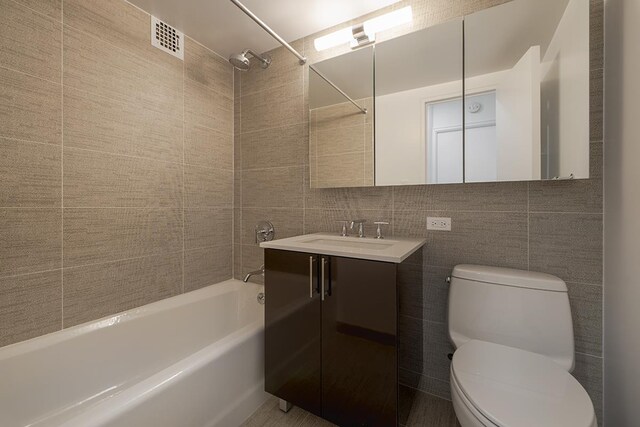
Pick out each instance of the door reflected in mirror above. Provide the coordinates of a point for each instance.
(419, 132)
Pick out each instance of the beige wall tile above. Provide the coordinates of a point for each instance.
(287, 222)
(596, 40)
(252, 259)
(206, 187)
(31, 108)
(29, 240)
(237, 262)
(501, 196)
(284, 68)
(567, 245)
(204, 267)
(111, 234)
(29, 42)
(472, 233)
(273, 107)
(95, 291)
(586, 308)
(208, 147)
(93, 179)
(95, 66)
(596, 111)
(208, 227)
(347, 169)
(332, 141)
(328, 220)
(349, 198)
(278, 187)
(135, 129)
(208, 68)
(287, 146)
(30, 174)
(118, 23)
(588, 371)
(51, 8)
(30, 306)
(205, 107)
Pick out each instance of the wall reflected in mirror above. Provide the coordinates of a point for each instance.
(527, 86)
(341, 152)
(499, 95)
(418, 83)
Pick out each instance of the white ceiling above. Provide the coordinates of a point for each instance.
(221, 26)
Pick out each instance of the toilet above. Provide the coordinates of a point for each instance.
(513, 336)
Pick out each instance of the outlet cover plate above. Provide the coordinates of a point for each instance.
(439, 224)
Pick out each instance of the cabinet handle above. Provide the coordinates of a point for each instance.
(311, 260)
(324, 262)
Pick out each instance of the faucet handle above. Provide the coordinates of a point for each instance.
(379, 230)
(345, 223)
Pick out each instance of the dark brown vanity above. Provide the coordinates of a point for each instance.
(331, 329)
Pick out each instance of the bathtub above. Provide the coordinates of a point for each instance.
(191, 360)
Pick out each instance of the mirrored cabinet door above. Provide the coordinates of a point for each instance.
(418, 83)
(341, 115)
(527, 91)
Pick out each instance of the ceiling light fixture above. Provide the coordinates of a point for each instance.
(363, 34)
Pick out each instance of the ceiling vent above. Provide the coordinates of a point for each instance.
(167, 38)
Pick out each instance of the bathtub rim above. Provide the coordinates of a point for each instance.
(33, 344)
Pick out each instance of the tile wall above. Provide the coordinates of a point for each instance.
(116, 165)
(555, 227)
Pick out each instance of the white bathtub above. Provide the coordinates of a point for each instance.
(191, 360)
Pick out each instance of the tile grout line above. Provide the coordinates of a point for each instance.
(62, 165)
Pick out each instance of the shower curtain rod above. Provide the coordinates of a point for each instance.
(326, 79)
(273, 34)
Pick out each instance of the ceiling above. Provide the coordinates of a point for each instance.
(222, 27)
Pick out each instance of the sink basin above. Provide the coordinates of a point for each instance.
(377, 246)
(395, 249)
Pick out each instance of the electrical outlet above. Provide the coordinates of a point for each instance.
(439, 224)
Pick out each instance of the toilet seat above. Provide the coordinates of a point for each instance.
(508, 387)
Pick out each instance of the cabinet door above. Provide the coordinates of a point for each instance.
(359, 336)
(292, 329)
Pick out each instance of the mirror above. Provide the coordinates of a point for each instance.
(341, 121)
(418, 82)
(527, 91)
(501, 95)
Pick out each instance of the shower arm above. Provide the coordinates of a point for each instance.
(333, 85)
(273, 34)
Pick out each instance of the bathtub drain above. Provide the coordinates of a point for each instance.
(261, 298)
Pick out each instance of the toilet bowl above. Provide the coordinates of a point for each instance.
(513, 335)
(496, 385)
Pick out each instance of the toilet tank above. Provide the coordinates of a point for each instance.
(516, 308)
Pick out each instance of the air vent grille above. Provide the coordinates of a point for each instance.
(167, 38)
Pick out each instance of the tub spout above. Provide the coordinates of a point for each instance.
(254, 273)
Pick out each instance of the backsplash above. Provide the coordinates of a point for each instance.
(554, 227)
(116, 165)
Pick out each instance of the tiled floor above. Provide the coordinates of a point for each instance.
(416, 409)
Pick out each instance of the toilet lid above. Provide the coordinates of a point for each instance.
(514, 388)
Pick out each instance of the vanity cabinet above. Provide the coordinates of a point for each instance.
(331, 329)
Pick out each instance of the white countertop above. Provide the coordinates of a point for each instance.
(390, 249)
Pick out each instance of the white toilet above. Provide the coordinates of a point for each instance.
(513, 336)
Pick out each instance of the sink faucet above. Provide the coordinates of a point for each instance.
(259, 272)
(360, 224)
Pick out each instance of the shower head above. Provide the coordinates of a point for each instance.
(241, 60)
